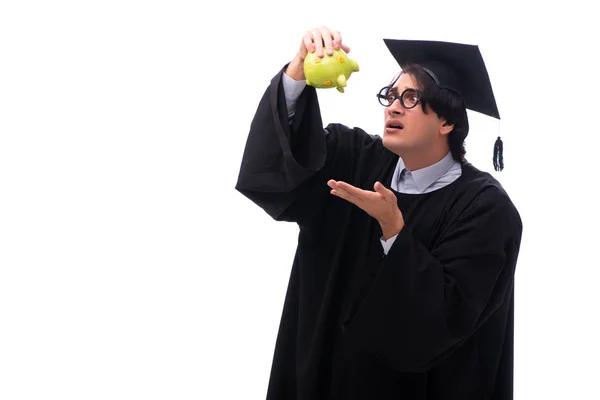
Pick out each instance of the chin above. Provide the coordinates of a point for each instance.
(393, 143)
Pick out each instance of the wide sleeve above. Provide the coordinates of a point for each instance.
(285, 167)
(423, 304)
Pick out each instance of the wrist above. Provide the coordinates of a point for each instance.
(390, 229)
(295, 69)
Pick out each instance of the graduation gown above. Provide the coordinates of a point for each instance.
(432, 319)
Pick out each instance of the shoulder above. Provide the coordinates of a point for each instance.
(484, 185)
(338, 128)
(487, 195)
(353, 136)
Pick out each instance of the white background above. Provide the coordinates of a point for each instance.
(130, 268)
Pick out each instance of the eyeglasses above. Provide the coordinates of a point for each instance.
(409, 98)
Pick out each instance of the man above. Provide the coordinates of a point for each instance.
(402, 284)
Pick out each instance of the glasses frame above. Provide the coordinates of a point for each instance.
(382, 96)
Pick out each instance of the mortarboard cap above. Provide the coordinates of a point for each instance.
(455, 66)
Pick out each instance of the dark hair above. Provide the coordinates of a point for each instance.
(445, 103)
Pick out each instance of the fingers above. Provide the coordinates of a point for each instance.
(348, 192)
(317, 41)
(327, 38)
(360, 193)
(349, 197)
(337, 40)
(379, 188)
(321, 38)
(339, 185)
(385, 192)
(307, 41)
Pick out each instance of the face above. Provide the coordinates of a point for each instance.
(411, 133)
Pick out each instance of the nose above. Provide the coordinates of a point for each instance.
(395, 108)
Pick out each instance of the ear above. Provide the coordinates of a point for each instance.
(445, 128)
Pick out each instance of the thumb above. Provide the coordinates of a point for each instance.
(379, 188)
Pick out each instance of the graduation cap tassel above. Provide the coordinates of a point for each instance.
(498, 156)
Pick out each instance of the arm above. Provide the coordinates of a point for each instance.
(292, 89)
(284, 164)
(280, 158)
(423, 304)
(380, 204)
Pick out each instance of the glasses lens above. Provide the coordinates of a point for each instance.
(410, 98)
(384, 97)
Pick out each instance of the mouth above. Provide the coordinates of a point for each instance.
(393, 126)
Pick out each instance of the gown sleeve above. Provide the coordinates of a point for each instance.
(285, 167)
(424, 304)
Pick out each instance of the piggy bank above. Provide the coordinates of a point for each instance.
(330, 71)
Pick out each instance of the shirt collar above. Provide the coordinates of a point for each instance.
(424, 177)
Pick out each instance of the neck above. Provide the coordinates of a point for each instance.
(415, 161)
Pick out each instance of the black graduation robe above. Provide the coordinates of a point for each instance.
(431, 320)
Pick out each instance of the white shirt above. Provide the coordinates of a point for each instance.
(424, 180)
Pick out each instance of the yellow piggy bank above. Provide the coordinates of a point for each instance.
(330, 71)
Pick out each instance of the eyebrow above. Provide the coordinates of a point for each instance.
(395, 89)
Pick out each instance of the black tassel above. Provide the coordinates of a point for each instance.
(498, 157)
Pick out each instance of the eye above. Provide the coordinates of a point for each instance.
(410, 97)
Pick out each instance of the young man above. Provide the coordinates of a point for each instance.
(402, 284)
